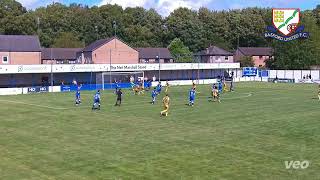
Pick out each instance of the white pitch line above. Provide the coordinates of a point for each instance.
(239, 97)
(60, 108)
(36, 105)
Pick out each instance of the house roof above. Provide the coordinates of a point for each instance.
(59, 53)
(256, 51)
(152, 53)
(19, 43)
(214, 50)
(95, 45)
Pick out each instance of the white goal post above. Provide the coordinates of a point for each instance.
(107, 80)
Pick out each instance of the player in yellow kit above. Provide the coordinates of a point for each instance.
(225, 88)
(194, 85)
(167, 87)
(166, 104)
(215, 94)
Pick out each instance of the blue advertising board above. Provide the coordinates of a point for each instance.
(250, 71)
(263, 73)
(91, 87)
(64, 88)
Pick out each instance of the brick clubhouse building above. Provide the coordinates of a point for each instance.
(24, 63)
(259, 55)
(25, 50)
(19, 50)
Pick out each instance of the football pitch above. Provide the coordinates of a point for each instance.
(251, 134)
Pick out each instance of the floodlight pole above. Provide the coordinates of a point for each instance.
(159, 73)
(115, 28)
(143, 79)
(97, 35)
(38, 26)
(51, 78)
(198, 70)
(110, 70)
(115, 46)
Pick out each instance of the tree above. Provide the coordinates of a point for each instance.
(247, 27)
(215, 26)
(11, 17)
(298, 54)
(67, 40)
(316, 13)
(183, 23)
(310, 22)
(11, 8)
(143, 28)
(179, 51)
(246, 61)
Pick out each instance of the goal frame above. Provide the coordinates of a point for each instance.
(103, 74)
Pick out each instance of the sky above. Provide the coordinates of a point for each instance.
(164, 7)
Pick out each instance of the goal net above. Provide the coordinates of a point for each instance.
(112, 80)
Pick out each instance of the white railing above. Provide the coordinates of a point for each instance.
(297, 75)
(65, 68)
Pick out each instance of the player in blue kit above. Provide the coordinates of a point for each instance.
(154, 95)
(78, 97)
(117, 86)
(96, 101)
(192, 96)
(148, 85)
(159, 88)
(220, 86)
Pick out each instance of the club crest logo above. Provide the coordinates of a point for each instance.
(286, 25)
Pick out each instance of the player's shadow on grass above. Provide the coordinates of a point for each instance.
(210, 99)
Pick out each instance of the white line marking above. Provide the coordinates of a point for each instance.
(36, 105)
(239, 97)
(139, 104)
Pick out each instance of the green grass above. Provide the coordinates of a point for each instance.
(249, 135)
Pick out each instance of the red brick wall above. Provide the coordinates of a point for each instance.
(259, 60)
(217, 59)
(120, 54)
(17, 58)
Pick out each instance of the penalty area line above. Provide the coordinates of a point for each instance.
(36, 105)
(238, 97)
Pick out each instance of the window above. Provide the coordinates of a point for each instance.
(5, 60)
(59, 62)
(260, 57)
(226, 58)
